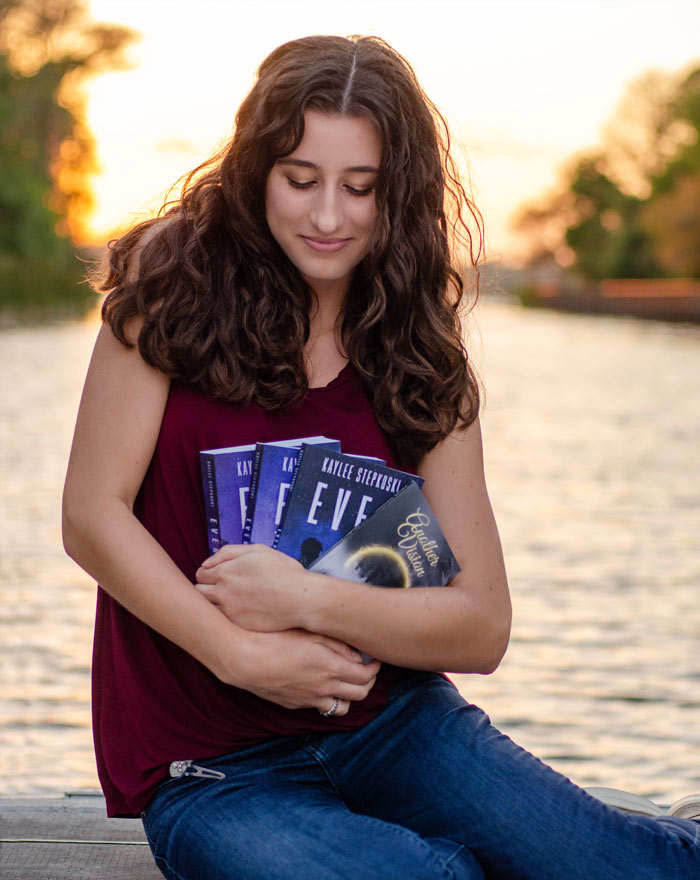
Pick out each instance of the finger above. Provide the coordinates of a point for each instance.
(228, 551)
(351, 669)
(209, 592)
(352, 654)
(345, 651)
(205, 576)
(373, 666)
(354, 673)
(215, 558)
(353, 693)
(326, 705)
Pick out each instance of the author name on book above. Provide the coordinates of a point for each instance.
(366, 476)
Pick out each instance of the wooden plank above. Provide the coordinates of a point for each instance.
(70, 838)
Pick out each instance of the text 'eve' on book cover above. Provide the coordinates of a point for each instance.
(226, 476)
(273, 470)
(331, 493)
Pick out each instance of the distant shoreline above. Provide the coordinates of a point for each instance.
(662, 299)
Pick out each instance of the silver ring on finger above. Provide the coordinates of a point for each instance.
(333, 709)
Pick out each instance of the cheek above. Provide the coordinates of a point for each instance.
(276, 207)
(369, 218)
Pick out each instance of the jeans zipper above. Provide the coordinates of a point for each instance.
(189, 768)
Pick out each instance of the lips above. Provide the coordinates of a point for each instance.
(325, 245)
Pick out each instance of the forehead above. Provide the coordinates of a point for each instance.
(339, 142)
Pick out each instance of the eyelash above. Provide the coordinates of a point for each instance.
(360, 193)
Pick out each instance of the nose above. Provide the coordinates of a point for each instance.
(326, 210)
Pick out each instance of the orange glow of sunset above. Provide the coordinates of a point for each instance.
(524, 84)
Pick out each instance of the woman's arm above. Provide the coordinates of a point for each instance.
(117, 428)
(463, 627)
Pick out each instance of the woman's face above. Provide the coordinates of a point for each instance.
(320, 199)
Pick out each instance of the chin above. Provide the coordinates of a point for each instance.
(318, 284)
(313, 276)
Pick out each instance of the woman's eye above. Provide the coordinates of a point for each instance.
(360, 192)
(299, 184)
(307, 184)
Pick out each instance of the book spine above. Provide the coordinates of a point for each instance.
(211, 501)
(278, 531)
(250, 508)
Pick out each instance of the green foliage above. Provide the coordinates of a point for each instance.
(673, 219)
(608, 240)
(686, 161)
(632, 210)
(38, 268)
(46, 153)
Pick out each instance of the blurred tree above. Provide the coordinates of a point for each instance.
(47, 50)
(544, 225)
(645, 132)
(630, 210)
(673, 220)
(607, 238)
(672, 214)
(686, 160)
(591, 225)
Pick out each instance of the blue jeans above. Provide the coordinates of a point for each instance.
(428, 789)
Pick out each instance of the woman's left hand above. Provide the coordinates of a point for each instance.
(256, 587)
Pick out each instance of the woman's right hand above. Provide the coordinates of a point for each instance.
(298, 669)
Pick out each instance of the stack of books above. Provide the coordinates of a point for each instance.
(340, 514)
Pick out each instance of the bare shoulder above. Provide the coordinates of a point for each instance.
(119, 420)
(119, 377)
(154, 230)
(126, 274)
(122, 406)
(118, 364)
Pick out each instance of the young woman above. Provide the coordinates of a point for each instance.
(306, 282)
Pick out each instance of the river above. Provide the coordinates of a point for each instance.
(592, 444)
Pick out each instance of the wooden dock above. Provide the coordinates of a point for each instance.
(69, 837)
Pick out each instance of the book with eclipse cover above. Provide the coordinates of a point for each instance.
(273, 469)
(331, 493)
(400, 545)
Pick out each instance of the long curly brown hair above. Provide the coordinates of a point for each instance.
(224, 310)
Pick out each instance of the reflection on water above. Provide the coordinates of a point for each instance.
(593, 461)
(591, 430)
(46, 602)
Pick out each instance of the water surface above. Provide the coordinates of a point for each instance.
(591, 434)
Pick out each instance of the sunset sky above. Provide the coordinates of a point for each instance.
(523, 83)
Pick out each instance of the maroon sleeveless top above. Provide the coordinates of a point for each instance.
(153, 703)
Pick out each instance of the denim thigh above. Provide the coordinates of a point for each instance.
(277, 816)
(429, 788)
(433, 763)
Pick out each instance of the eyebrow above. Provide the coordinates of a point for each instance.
(302, 163)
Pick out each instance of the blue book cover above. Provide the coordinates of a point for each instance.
(226, 477)
(331, 494)
(273, 469)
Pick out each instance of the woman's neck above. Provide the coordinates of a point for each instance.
(326, 306)
(325, 357)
